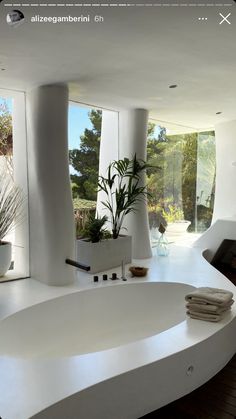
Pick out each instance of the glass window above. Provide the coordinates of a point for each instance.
(13, 174)
(206, 175)
(181, 182)
(84, 145)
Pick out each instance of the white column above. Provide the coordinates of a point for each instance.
(225, 196)
(52, 235)
(133, 139)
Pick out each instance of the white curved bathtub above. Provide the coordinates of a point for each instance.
(93, 320)
(109, 350)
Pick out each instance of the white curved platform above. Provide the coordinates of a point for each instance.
(125, 381)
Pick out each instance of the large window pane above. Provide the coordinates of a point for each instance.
(13, 166)
(182, 181)
(84, 146)
(206, 173)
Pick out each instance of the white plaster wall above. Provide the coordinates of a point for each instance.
(52, 232)
(225, 194)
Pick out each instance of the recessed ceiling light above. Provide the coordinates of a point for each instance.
(173, 86)
(218, 113)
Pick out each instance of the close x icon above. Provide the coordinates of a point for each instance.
(225, 19)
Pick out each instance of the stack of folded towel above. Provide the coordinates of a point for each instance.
(209, 304)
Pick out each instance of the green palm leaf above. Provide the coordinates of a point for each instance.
(123, 189)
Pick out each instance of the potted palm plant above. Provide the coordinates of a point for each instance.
(11, 200)
(123, 190)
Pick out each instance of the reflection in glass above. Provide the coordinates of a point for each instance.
(182, 181)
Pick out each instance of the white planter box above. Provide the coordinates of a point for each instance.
(178, 226)
(5, 257)
(106, 254)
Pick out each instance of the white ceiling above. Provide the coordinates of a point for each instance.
(130, 59)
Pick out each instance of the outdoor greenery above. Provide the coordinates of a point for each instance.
(189, 177)
(84, 204)
(6, 136)
(85, 160)
(5, 128)
(179, 186)
(172, 213)
(180, 172)
(83, 211)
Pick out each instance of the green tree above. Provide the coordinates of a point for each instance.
(156, 145)
(206, 174)
(6, 136)
(189, 177)
(85, 160)
(207, 166)
(174, 183)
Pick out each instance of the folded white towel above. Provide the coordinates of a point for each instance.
(205, 316)
(209, 308)
(206, 295)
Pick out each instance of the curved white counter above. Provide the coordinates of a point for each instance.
(125, 381)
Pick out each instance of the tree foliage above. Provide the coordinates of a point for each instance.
(156, 146)
(171, 176)
(6, 144)
(186, 164)
(5, 125)
(85, 160)
(189, 177)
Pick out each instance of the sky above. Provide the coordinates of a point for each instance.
(7, 101)
(78, 120)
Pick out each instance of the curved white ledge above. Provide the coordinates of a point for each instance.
(127, 381)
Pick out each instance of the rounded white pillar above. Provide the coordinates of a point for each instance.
(133, 139)
(52, 235)
(225, 197)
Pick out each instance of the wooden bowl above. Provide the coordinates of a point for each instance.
(138, 270)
